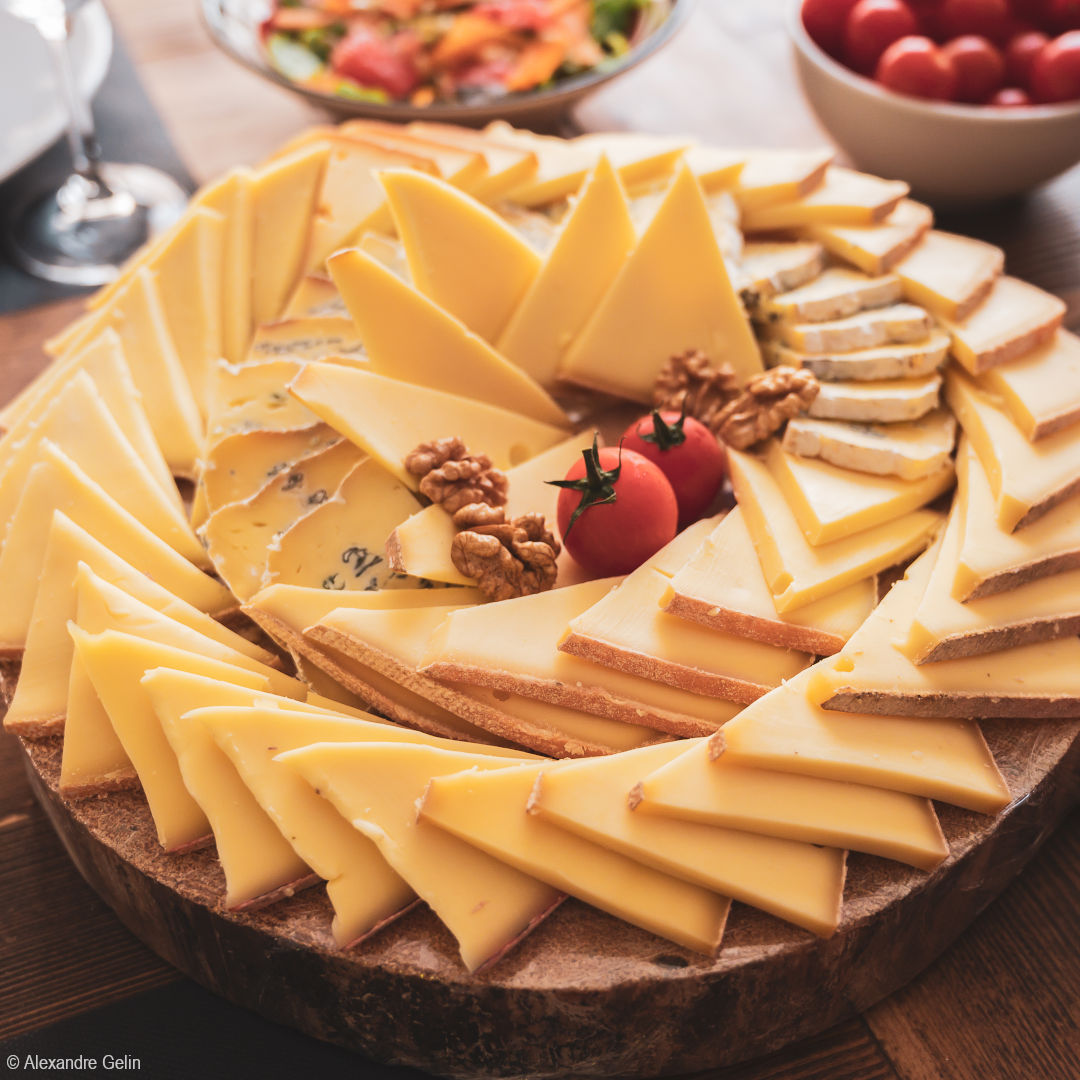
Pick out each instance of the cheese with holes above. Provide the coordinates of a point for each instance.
(844, 197)
(830, 502)
(798, 572)
(835, 813)
(834, 294)
(950, 275)
(889, 401)
(252, 397)
(875, 249)
(798, 882)
(673, 293)
(897, 361)
(900, 324)
(488, 810)
(779, 176)
(591, 246)
(778, 266)
(722, 586)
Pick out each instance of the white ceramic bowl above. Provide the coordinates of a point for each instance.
(951, 155)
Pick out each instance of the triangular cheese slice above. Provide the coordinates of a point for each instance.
(673, 293)
(459, 165)
(845, 197)
(945, 760)
(950, 275)
(799, 882)
(409, 337)
(251, 397)
(389, 418)
(461, 255)
(872, 675)
(698, 786)
(799, 573)
(592, 245)
(722, 587)
(488, 810)
(486, 905)
(875, 248)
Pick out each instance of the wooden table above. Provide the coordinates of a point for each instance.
(1002, 1004)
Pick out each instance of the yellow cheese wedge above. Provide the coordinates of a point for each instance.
(315, 297)
(798, 882)
(420, 546)
(461, 255)
(410, 338)
(1042, 389)
(341, 543)
(780, 176)
(389, 418)
(890, 401)
(871, 675)
(946, 760)
(944, 628)
(487, 905)
(57, 483)
(722, 587)
(238, 536)
(312, 337)
(896, 361)
(799, 573)
(488, 811)
(844, 197)
(716, 168)
(1027, 479)
(900, 324)
(1014, 319)
(512, 647)
(834, 294)
(591, 246)
(912, 450)
(777, 266)
(950, 275)
(993, 561)
(875, 249)
(672, 293)
(40, 701)
(830, 502)
(835, 813)
(283, 200)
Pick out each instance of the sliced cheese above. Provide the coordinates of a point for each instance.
(835, 294)
(488, 810)
(778, 266)
(896, 361)
(1027, 479)
(799, 573)
(900, 324)
(716, 167)
(723, 587)
(844, 197)
(950, 275)
(673, 293)
(315, 297)
(310, 337)
(798, 882)
(874, 249)
(779, 176)
(643, 161)
(252, 397)
(889, 401)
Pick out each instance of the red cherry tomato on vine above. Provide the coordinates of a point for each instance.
(616, 509)
(979, 67)
(1020, 55)
(687, 453)
(872, 27)
(825, 20)
(1055, 73)
(990, 18)
(916, 66)
(1012, 97)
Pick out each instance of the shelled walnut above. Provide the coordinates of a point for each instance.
(505, 558)
(690, 378)
(766, 403)
(452, 478)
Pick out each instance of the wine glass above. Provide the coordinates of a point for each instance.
(81, 232)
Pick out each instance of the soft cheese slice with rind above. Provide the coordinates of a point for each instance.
(874, 249)
(896, 361)
(888, 401)
(699, 786)
(844, 197)
(778, 266)
(486, 904)
(799, 882)
(900, 324)
(946, 760)
(872, 675)
(799, 572)
(389, 418)
(488, 810)
(835, 294)
(950, 275)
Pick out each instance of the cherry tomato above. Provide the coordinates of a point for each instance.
(928, 15)
(1063, 14)
(1055, 73)
(1010, 98)
(990, 18)
(916, 66)
(375, 61)
(1020, 55)
(872, 27)
(616, 509)
(825, 20)
(979, 67)
(687, 453)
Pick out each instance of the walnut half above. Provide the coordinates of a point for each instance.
(766, 403)
(452, 478)
(505, 558)
(690, 379)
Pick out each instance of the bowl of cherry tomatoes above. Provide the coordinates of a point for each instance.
(969, 101)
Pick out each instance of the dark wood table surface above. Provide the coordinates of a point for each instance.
(1002, 1004)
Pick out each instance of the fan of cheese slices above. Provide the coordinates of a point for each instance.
(291, 667)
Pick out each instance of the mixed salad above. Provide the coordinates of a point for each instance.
(427, 51)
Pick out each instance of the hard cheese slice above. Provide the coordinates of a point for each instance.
(1027, 479)
(389, 418)
(778, 176)
(777, 266)
(872, 675)
(461, 255)
(889, 401)
(896, 361)
(592, 245)
(946, 760)
(486, 904)
(798, 572)
(722, 587)
(875, 249)
(696, 786)
(845, 197)
(672, 293)
(488, 810)
(313, 337)
(831, 502)
(834, 294)
(899, 324)
(950, 275)
(409, 337)
(798, 882)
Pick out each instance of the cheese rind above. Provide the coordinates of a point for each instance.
(778, 176)
(897, 361)
(889, 401)
(899, 324)
(950, 275)
(845, 197)
(777, 266)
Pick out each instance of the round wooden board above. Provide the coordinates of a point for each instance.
(584, 994)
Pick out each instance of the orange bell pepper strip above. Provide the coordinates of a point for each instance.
(468, 34)
(535, 64)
